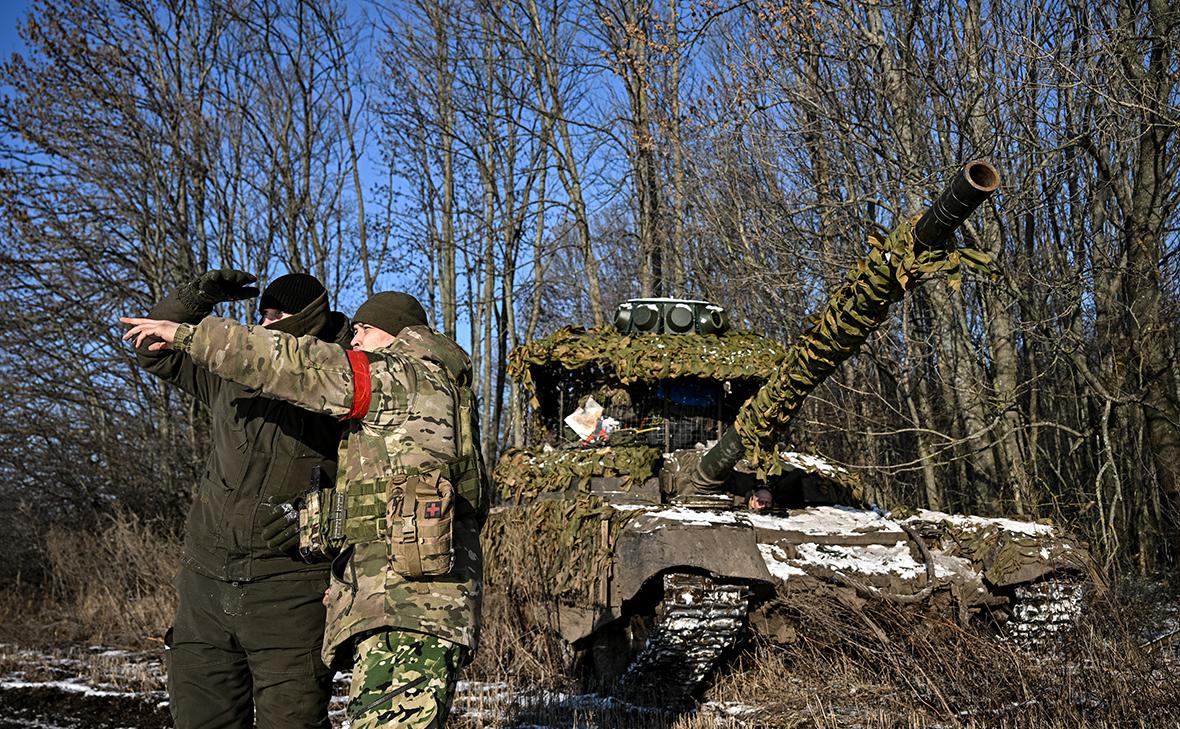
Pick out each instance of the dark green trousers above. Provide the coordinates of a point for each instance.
(247, 654)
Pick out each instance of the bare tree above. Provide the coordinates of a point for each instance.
(146, 142)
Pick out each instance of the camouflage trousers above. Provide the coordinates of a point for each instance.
(402, 679)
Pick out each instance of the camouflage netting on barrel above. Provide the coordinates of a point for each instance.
(855, 311)
(734, 355)
(522, 473)
(553, 549)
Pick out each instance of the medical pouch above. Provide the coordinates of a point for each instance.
(419, 521)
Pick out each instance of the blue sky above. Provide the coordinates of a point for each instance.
(12, 13)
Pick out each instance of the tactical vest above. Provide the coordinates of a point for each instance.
(365, 503)
(469, 474)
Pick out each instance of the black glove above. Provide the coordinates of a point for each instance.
(213, 287)
(280, 527)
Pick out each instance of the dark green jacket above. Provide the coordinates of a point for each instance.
(264, 452)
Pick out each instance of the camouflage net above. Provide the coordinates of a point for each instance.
(855, 311)
(553, 549)
(1008, 558)
(523, 473)
(648, 357)
(839, 484)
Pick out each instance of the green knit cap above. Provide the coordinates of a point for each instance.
(391, 311)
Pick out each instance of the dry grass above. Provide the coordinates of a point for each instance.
(879, 665)
(516, 649)
(873, 666)
(112, 587)
(102, 669)
(851, 664)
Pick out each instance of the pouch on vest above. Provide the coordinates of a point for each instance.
(419, 521)
(468, 470)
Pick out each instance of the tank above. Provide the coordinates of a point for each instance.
(653, 512)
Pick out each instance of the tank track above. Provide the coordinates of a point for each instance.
(1043, 612)
(698, 620)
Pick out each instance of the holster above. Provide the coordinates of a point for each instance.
(321, 520)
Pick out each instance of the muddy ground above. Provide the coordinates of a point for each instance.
(94, 686)
(50, 707)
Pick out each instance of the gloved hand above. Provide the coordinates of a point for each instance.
(213, 287)
(280, 527)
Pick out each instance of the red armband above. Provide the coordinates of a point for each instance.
(362, 389)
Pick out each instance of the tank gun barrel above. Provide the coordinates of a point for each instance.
(894, 265)
(968, 190)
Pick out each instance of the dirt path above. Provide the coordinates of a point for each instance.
(93, 687)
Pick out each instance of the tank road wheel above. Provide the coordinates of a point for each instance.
(697, 620)
(1042, 612)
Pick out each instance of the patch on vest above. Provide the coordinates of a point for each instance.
(433, 509)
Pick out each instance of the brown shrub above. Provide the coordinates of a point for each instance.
(111, 587)
(515, 641)
(871, 664)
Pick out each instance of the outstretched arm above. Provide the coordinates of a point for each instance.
(302, 370)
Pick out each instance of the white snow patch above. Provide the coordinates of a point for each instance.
(777, 562)
(979, 522)
(113, 653)
(695, 517)
(871, 559)
(69, 686)
(477, 687)
(811, 463)
(731, 709)
(768, 521)
(826, 520)
(31, 723)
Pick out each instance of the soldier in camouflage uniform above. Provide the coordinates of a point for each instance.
(245, 642)
(406, 584)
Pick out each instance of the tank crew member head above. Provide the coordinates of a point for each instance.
(379, 320)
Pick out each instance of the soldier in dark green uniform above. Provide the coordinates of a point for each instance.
(405, 515)
(245, 644)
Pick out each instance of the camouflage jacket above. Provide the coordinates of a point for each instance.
(396, 421)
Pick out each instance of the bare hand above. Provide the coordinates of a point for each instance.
(143, 328)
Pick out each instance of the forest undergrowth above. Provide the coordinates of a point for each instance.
(879, 665)
(844, 664)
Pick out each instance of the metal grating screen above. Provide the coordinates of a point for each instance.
(669, 414)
